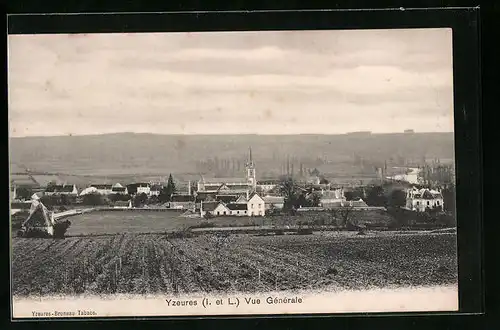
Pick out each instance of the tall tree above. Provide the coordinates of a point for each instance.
(170, 188)
(288, 189)
(397, 198)
(376, 197)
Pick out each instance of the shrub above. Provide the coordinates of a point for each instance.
(60, 228)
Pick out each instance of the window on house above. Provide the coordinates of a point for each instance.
(251, 206)
(437, 203)
(224, 212)
(237, 212)
(428, 203)
(418, 203)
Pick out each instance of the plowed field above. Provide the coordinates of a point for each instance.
(151, 263)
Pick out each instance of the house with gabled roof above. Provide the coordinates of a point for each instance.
(68, 189)
(256, 206)
(208, 208)
(423, 199)
(117, 188)
(241, 200)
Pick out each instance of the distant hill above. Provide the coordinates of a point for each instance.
(129, 153)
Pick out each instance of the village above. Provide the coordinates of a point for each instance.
(243, 197)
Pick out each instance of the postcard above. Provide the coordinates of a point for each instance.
(232, 173)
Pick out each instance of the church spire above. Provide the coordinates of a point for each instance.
(250, 154)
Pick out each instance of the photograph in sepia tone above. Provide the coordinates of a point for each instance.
(234, 164)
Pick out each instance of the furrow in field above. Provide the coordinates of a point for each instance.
(186, 278)
(163, 267)
(212, 270)
(106, 269)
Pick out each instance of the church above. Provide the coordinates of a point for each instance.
(243, 186)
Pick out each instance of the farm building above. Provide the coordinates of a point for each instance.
(208, 207)
(255, 206)
(186, 202)
(119, 189)
(57, 190)
(423, 199)
(276, 202)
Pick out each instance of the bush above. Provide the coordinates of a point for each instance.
(60, 228)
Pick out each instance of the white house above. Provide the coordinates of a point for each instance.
(155, 190)
(144, 188)
(221, 209)
(423, 199)
(256, 206)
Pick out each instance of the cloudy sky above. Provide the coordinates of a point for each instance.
(231, 82)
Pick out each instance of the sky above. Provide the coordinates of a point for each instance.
(273, 82)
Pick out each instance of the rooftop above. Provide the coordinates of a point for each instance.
(102, 186)
(237, 207)
(209, 206)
